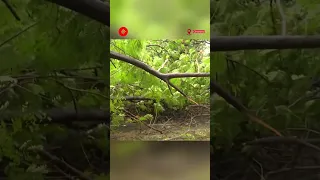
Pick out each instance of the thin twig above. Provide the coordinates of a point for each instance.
(304, 168)
(139, 121)
(71, 94)
(254, 71)
(283, 140)
(19, 33)
(86, 91)
(64, 173)
(56, 160)
(13, 12)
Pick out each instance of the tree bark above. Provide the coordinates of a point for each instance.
(234, 43)
(95, 9)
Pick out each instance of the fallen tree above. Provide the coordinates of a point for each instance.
(222, 43)
(164, 77)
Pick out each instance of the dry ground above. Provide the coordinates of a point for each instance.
(190, 124)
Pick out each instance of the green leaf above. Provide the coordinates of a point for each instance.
(35, 88)
(218, 62)
(8, 79)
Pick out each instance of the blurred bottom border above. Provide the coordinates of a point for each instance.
(170, 160)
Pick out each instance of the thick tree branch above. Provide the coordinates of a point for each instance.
(66, 116)
(60, 115)
(95, 9)
(136, 98)
(36, 76)
(152, 71)
(233, 43)
(164, 77)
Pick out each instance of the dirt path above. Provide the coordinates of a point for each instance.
(188, 129)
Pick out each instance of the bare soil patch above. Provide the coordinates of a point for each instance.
(192, 123)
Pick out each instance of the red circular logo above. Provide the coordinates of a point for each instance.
(123, 31)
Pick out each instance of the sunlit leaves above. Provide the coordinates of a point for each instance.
(35, 88)
(7, 79)
(158, 107)
(277, 76)
(146, 117)
(179, 56)
(34, 168)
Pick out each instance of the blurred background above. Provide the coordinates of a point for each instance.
(160, 19)
(160, 160)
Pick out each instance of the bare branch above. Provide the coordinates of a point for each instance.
(13, 12)
(164, 77)
(252, 70)
(65, 115)
(95, 9)
(234, 43)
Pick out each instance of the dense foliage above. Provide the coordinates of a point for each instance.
(276, 85)
(52, 58)
(164, 56)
